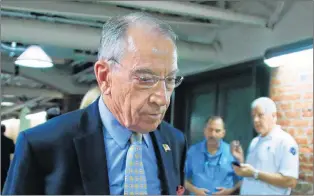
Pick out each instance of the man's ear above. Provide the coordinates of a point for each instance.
(102, 73)
(223, 133)
(275, 116)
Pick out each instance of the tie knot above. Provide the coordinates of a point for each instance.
(136, 138)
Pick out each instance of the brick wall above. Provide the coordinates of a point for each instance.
(292, 90)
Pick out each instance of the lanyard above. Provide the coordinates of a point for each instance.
(212, 171)
(207, 161)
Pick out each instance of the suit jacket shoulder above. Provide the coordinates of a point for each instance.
(170, 133)
(52, 141)
(56, 131)
(46, 158)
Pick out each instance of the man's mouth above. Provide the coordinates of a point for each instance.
(212, 140)
(155, 116)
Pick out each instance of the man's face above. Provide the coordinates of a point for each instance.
(263, 122)
(140, 103)
(214, 131)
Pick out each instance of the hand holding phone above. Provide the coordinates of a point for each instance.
(237, 151)
(236, 163)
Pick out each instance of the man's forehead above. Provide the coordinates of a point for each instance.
(147, 40)
(151, 55)
(258, 109)
(216, 122)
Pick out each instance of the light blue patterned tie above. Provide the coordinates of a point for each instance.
(135, 180)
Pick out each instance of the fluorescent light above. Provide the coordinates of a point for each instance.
(8, 121)
(297, 58)
(296, 54)
(37, 115)
(8, 96)
(34, 57)
(6, 103)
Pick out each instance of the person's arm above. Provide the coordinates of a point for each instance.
(197, 191)
(23, 176)
(275, 179)
(188, 174)
(236, 187)
(227, 191)
(288, 155)
(189, 186)
(237, 151)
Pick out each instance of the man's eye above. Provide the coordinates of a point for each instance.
(171, 80)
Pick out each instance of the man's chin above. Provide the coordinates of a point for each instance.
(260, 131)
(145, 127)
(212, 143)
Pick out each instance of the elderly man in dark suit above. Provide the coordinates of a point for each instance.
(119, 144)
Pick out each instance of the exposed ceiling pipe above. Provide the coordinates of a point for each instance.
(194, 10)
(9, 110)
(85, 38)
(78, 57)
(89, 10)
(51, 77)
(51, 19)
(274, 18)
(31, 92)
(12, 49)
(84, 72)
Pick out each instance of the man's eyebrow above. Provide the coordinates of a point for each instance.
(143, 71)
(149, 71)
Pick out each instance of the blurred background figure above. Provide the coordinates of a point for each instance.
(7, 148)
(208, 166)
(272, 164)
(53, 112)
(90, 97)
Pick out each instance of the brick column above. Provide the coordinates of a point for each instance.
(292, 90)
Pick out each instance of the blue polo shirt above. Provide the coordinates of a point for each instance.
(209, 171)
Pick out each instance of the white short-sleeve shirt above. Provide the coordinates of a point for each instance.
(277, 152)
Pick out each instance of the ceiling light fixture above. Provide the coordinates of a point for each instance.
(6, 103)
(34, 57)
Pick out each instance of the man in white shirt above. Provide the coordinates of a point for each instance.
(272, 165)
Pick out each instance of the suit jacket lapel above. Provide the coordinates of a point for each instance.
(164, 162)
(91, 154)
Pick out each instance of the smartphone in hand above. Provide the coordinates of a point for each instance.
(236, 163)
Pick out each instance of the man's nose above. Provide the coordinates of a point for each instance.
(211, 134)
(160, 95)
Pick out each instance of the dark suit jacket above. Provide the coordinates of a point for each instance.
(66, 155)
(7, 148)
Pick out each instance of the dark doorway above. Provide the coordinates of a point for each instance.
(227, 92)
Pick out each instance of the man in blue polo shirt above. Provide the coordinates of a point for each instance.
(208, 167)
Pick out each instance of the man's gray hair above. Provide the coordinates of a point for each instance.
(266, 104)
(113, 38)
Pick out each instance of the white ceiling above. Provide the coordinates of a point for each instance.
(212, 34)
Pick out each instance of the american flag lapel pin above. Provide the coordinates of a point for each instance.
(166, 147)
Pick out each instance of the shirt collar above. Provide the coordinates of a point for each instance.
(119, 133)
(272, 133)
